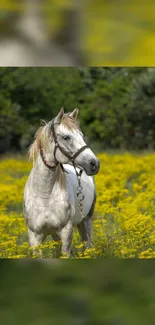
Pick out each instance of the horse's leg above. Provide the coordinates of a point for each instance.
(85, 231)
(34, 240)
(66, 235)
(56, 238)
(85, 227)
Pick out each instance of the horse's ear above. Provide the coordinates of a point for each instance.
(75, 113)
(59, 116)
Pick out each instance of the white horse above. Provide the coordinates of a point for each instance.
(60, 191)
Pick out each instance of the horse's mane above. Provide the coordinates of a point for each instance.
(70, 123)
(40, 136)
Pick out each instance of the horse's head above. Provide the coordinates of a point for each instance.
(69, 145)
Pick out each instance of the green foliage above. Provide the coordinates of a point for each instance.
(66, 292)
(31, 94)
(117, 105)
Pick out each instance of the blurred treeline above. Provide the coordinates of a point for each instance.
(117, 105)
(106, 32)
(63, 292)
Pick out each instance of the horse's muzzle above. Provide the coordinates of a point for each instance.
(94, 166)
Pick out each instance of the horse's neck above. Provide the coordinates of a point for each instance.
(43, 177)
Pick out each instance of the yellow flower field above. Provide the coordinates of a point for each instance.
(124, 219)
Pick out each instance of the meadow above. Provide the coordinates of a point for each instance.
(124, 218)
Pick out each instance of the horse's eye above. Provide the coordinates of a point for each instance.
(66, 137)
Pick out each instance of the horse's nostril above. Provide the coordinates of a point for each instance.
(93, 163)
